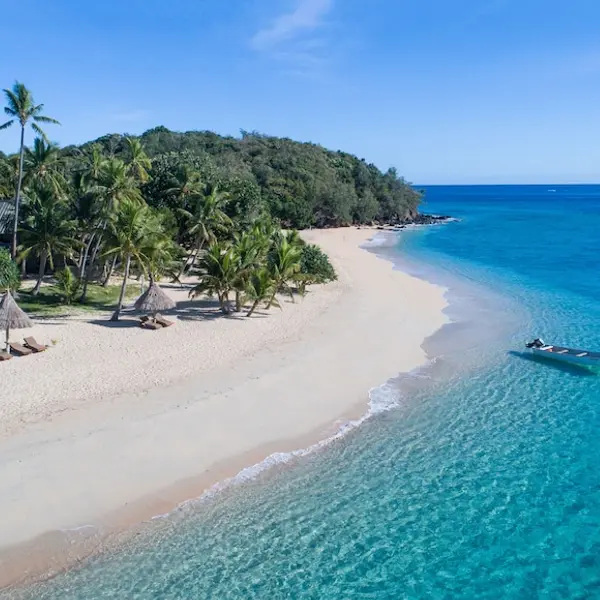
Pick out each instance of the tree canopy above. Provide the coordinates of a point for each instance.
(299, 184)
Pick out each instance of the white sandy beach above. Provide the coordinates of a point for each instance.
(114, 423)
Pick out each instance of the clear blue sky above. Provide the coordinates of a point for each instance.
(448, 91)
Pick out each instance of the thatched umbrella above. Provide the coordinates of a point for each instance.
(154, 300)
(11, 316)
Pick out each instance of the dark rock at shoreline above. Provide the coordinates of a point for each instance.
(421, 219)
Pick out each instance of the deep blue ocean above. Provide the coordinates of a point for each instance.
(484, 481)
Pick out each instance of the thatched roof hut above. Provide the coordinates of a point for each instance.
(154, 300)
(11, 316)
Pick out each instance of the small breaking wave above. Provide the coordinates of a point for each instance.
(382, 399)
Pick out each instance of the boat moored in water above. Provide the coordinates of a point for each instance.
(570, 355)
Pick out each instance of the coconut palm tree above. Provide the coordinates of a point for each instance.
(114, 186)
(139, 163)
(91, 165)
(261, 288)
(219, 274)
(47, 230)
(205, 222)
(127, 232)
(159, 250)
(43, 164)
(22, 109)
(284, 265)
(187, 183)
(250, 252)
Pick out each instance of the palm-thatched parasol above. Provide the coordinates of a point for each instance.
(154, 300)
(11, 316)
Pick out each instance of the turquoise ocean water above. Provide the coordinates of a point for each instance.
(483, 481)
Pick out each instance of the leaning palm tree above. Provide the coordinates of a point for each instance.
(206, 221)
(127, 234)
(113, 187)
(284, 265)
(47, 230)
(219, 274)
(261, 288)
(21, 107)
(250, 253)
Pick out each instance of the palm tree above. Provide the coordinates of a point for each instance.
(159, 250)
(114, 186)
(43, 163)
(188, 184)
(205, 222)
(284, 265)
(92, 165)
(127, 234)
(250, 253)
(47, 229)
(139, 163)
(21, 107)
(261, 288)
(218, 274)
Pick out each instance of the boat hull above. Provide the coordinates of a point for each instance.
(585, 361)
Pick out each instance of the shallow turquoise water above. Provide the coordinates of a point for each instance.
(483, 483)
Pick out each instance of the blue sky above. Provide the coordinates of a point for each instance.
(448, 91)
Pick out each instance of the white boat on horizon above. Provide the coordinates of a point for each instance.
(570, 355)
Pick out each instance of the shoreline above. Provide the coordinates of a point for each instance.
(334, 344)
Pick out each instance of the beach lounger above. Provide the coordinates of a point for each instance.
(19, 349)
(4, 355)
(163, 322)
(150, 325)
(31, 342)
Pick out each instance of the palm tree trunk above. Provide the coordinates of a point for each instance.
(253, 308)
(86, 252)
(38, 285)
(238, 301)
(117, 312)
(86, 280)
(110, 272)
(18, 196)
(190, 261)
(271, 299)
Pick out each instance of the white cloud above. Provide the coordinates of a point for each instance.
(306, 18)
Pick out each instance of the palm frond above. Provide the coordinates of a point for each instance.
(43, 119)
(7, 124)
(40, 132)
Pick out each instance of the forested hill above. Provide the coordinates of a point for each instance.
(301, 184)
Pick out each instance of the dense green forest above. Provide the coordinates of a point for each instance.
(168, 203)
(301, 185)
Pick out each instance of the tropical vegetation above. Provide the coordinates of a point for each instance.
(221, 210)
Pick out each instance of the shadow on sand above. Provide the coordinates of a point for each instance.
(553, 364)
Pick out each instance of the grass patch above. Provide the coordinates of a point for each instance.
(49, 301)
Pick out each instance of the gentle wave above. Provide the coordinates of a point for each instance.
(382, 399)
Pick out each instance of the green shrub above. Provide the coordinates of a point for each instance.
(9, 272)
(315, 265)
(68, 284)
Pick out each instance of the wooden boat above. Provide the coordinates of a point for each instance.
(570, 355)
